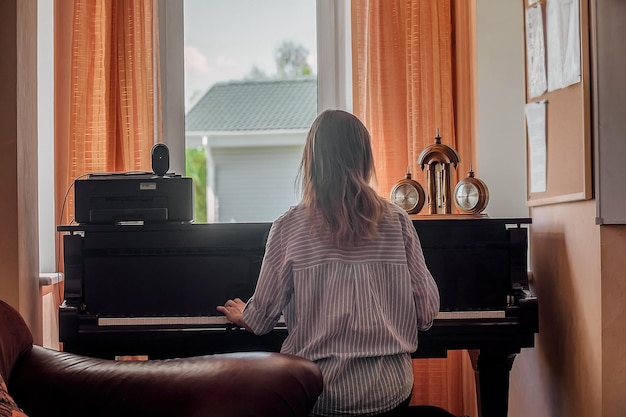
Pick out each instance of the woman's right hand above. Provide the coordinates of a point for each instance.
(233, 310)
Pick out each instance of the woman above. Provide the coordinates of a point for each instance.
(345, 268)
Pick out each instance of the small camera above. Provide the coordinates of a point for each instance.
(160, 159)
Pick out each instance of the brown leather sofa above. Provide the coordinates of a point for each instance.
(49, 383)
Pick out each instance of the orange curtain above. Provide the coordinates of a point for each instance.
(104, 91)
(406, 82)
(413, 74)
(464, 92)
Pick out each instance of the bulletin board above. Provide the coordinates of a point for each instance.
(562, 170)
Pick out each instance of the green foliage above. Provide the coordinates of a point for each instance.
(195, 168)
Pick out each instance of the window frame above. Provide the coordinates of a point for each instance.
(334, 76)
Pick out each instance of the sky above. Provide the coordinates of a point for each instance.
(225, 39)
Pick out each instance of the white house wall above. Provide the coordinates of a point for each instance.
(262, 163)
(254, 184)
(238, 139)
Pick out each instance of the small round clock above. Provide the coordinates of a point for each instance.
(471, 194)
(408, 194)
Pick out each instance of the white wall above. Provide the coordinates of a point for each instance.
(171, 34)
(45, 138)
(501, 146)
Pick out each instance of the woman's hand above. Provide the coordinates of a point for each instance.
(233, 310)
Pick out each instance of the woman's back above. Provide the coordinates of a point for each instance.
(354, 310)
(345, 268)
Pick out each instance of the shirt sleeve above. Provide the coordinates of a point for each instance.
(274, 287)
(425, 290)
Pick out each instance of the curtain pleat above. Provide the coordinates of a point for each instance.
(412, 66)
(380, 86)
(464, 65)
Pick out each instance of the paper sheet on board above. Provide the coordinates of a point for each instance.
(535, 52)
(563, 43)
(536, 128)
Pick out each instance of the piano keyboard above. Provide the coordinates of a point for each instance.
(474, 314)
(162, 321)
(221, 320)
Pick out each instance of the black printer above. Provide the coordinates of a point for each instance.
(114, 198)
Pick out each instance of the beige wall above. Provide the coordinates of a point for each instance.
(19, 255)
(562, 374)
(578, 366)
(613, 269)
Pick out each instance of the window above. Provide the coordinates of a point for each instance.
(244, 130)
(250, 96)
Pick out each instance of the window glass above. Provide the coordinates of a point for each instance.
(250, 97)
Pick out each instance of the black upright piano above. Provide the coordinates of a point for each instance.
(152, 290)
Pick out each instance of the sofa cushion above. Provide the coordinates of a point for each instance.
(8, 408)
(15, 339)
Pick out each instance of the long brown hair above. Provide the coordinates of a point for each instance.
(336, 168)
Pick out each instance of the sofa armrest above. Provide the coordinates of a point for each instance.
(51, 383)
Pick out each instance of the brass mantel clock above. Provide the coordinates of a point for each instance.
(408, 194)
(471, 194)
(439, 159)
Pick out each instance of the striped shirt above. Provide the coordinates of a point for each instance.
(354, 311)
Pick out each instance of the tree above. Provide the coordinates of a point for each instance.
(257, 73)
(291, 60)
(195, 167)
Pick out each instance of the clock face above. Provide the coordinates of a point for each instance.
(409, 195)
(466, 196)
(406, 196)
(471, 195)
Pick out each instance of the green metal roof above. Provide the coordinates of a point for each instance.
(255, 105)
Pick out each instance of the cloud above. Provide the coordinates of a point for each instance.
(223, 61)
(311, 59)
(196, 62)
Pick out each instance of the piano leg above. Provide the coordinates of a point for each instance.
(492, 370)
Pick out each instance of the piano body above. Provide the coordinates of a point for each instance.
(144, 290)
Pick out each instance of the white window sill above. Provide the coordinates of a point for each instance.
(50, 278)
